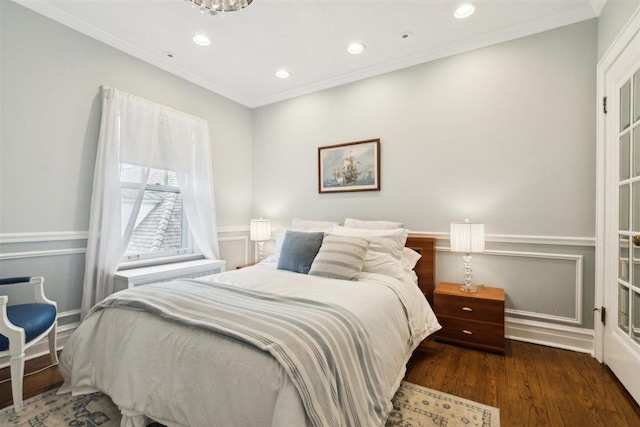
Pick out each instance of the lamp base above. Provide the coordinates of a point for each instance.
(469, 288)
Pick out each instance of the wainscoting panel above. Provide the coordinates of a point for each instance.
(549, 282)
(235, 250)
(541, 286)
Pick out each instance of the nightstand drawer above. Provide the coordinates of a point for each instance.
(469, 308)
(476, 334)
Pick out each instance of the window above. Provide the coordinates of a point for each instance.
(160, 228)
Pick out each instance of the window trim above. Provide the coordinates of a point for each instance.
(190, 252)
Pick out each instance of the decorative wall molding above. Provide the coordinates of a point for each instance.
(559, 336)
(519, 239)
(35, 254)
(55, 236)
(579, 282)
(244, 239)
(234, 229)
(58, 236)
(45, 236)
(539, 328)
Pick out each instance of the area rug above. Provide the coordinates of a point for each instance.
(413, 406)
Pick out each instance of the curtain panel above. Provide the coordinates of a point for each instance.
(139, 132)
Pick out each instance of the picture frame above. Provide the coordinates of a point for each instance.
(354, 166)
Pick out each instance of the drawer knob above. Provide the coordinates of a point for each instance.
(467, 332)
(467, 309)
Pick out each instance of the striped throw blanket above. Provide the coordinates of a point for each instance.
(322, 347)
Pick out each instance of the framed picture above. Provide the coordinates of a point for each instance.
(354, 166)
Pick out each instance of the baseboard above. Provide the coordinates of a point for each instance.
(549, 334)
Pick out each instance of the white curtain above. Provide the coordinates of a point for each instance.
(140, 132)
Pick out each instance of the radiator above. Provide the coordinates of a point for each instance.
(130, 278)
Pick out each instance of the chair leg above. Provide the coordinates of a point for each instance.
(17, 374)
(52, 343)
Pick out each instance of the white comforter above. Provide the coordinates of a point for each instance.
(184, 376)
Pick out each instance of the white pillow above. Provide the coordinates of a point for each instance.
(372, 225)
(381, 263)
(385, 241)
(280, 233)
(298, 224)
(409, 258)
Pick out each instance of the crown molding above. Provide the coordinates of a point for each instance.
(556, 21)
(597, 6)
(590, 10)
(64, 18)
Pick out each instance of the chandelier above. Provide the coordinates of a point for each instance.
(219, 6)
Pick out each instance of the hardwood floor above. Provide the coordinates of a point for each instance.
(33, 384)
(531, 385)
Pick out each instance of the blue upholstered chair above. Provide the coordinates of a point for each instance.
(24, 324)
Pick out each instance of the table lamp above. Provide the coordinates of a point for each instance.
(467, 237)
(260, 230)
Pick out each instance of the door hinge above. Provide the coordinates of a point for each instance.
(603, 314)
(604, 104)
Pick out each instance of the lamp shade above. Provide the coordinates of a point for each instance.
(467, 237)
(260, 229)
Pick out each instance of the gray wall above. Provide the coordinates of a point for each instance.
(613, 17)
(51, 106)
(503, 135)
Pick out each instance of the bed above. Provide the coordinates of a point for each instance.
(177, 374)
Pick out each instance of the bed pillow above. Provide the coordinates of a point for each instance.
(409, 258)
(372, 225)
(298, 224)
(340, 258)
(381, 263)
(299, 249)
(279, 237)
(385, 241)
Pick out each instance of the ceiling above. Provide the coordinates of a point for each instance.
(308, 38)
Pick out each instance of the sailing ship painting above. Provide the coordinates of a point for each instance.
(349, 167)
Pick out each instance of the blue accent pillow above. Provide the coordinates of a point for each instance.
(299, 249)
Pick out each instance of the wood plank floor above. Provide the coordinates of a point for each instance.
(33, 384)
(532, 385)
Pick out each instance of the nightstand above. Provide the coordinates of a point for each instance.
(245, 265)
(471, 319)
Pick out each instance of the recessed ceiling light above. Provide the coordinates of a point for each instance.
(355, 48)
(201, 39)
(283, 74)
(464, 11)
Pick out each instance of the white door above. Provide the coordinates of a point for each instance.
(622, 213)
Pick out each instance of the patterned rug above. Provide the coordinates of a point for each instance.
(413, 406)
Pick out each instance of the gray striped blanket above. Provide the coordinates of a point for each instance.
(322, 347)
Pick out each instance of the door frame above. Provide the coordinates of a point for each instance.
(605, 217)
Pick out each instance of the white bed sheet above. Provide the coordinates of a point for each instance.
(184, 376)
